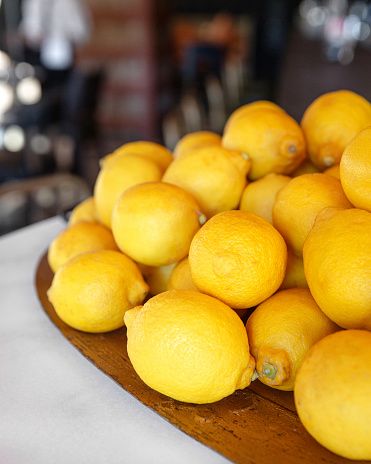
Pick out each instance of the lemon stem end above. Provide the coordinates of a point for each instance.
(255, 375)
(269, 370)
(328, 161)
(201, 218)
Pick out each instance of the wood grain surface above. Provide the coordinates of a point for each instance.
(256, 425)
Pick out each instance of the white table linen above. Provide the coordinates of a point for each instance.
(55, 406)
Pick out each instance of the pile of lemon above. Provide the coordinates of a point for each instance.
(268, 224)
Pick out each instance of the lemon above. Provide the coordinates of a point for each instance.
(273, 141)
(294, 275)
(189, 346)
(117, 174)
(156, 152)
(298, 203)
(181, 277)
(195, 140)
(77, 238)
(157, 277)
(281, 330)
(337, 265)
(305, 167)
(154, 223)
(93, 290)
(330, 122)
(333, 171)
(355, 169)
(259, 196)
(258, 104)
(332, 393)
(239, 258)
(214, 175)
(84, 211)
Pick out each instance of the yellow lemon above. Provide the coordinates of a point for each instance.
(337, 265)
(78, 238)
(332, 393)
(258, 104)
(281, 330)
(157, 277)
(214, 175)
(259, 196)
(305, 167)
(189, 346)
(272, 139)
(117, 175)
(333, 171)
(239, 258)
(294, 275)
(84, 211)
(93, 290)
(154, 223)
(181, 277)
(156, 152)
(355, 170)
(195, 140)
(298, 203)
(330, 122)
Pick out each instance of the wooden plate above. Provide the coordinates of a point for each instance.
(256, 425)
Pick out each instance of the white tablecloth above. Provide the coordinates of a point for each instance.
(56, 407)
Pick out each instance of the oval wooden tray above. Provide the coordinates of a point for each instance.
(255, 425)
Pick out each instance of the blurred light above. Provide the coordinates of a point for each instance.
(317, 16)
(67, 193)
(345, 55)
(23, 70)
(6, 97)
(4, 75)
(40, 144)
(361, 31)
(337, 7)
(28, 90)
(332, 53)
(10, 205)
(350, 23)
(5, 61)
(45, 197)
(306, 6)
(64, 149)
(359, 9)
(14, 138)
(1, 137)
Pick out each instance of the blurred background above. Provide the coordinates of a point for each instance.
(79, 78)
